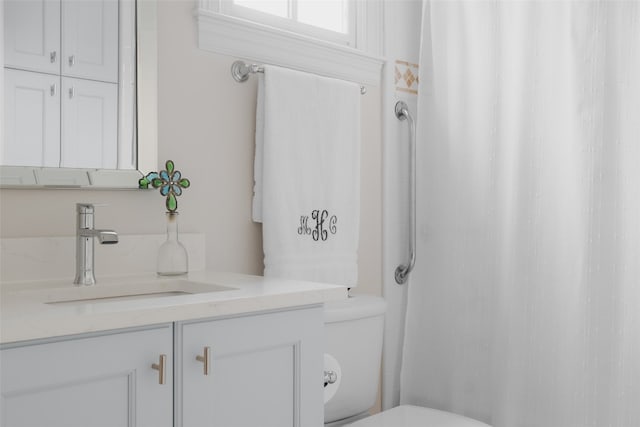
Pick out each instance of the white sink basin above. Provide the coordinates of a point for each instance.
(129, 291)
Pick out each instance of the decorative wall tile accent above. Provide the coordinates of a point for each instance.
(406, 77)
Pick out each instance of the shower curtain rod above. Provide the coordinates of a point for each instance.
(240, 72)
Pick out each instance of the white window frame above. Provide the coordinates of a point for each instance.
(358, 60)
(229, 8)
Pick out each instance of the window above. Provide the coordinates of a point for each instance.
(331, 20)
(335, 38)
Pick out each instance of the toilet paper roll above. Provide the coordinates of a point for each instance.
(331, 365)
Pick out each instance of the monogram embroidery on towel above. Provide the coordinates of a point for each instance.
(324, 224)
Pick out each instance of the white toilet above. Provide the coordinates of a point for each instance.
(353, 329)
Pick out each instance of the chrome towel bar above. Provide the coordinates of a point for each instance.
(403, 270)
(240, 72)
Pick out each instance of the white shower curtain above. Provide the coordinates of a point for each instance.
(524, 307)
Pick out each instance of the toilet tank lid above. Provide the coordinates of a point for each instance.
(354, 307)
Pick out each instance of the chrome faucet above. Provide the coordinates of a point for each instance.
(85, 242)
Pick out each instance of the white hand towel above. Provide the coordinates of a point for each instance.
(307, 176)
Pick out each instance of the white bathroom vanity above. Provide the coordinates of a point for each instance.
(213, 349)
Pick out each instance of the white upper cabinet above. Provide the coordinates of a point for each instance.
(61, 83)
(90, 39)
(32, 119)
(89, 124)
(78, 38)
(32, 35)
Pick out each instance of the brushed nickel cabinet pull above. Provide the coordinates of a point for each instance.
(72, 60)
(52, 56)
(205, 359)
(53, 89)
(160, 367)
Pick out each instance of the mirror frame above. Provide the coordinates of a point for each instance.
(25, 177)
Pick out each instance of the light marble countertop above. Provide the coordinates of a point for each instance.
(46, 309)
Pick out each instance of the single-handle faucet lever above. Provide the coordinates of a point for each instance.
(85, 242)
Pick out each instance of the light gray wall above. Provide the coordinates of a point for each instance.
(402, 23)
(206, 125)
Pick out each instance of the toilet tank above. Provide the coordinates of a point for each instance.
(353, 331)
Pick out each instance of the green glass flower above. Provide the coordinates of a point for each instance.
(143, 183)
(170, 182)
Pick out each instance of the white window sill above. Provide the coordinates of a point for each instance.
(266, 45)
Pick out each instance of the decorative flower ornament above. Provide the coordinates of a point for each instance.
(170, 183)
(143, 183)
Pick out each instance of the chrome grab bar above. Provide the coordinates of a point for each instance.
(403, 270)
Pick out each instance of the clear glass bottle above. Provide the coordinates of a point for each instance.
(172, 255)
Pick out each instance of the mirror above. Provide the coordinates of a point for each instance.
(87, 111)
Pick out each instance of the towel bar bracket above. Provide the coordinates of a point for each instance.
(240, 71)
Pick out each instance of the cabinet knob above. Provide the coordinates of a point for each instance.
(72, 92)
(160, 367)
(52, 56)
(205, 359)
(72, 60)
(53, 89)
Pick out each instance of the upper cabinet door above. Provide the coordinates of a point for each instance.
(90, 39)
(32, 119)
(89, 124)
(32, 35)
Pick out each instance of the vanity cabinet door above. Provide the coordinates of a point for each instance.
(263, 370)
(99, 381)
(32, 35)
(32, 119)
